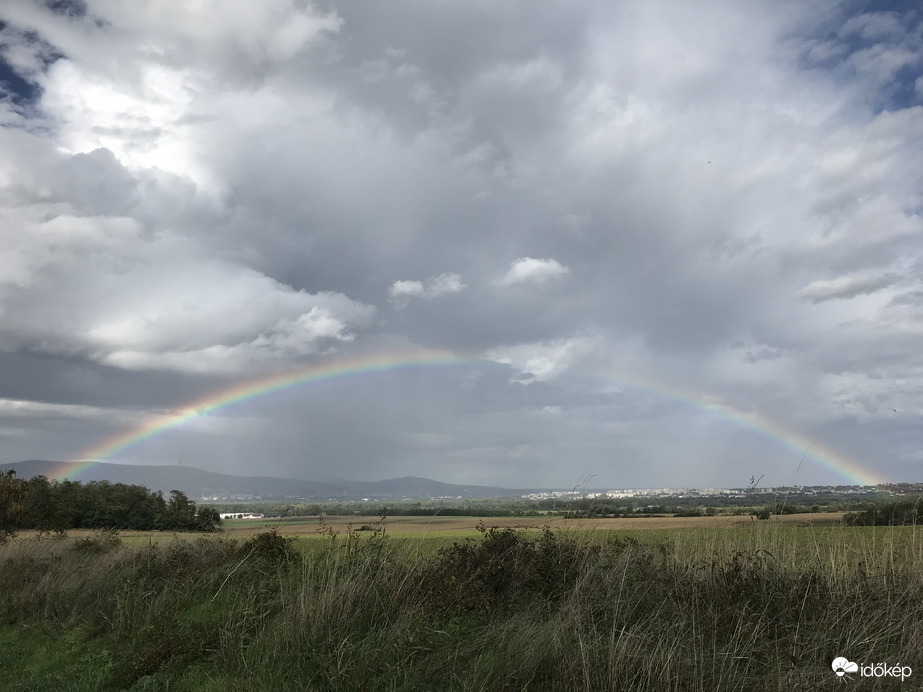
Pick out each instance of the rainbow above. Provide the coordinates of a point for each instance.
(805, 447)
(247, 391)
(802, 445)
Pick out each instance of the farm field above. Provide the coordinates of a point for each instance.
(800, 541)
(437, 531)
(455, 527)
(455, 524)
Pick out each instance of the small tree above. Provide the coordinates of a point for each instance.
(208, 519)
(13, 496)
(181, 512)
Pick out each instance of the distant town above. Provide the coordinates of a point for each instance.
(894, 489)
(792, 492)
(208, 487)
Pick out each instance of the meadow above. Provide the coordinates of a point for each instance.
(455, 603)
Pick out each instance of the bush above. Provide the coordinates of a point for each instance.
(208, 519)
(775, 510)
(270, 547)
(506, 567)
(901, 513)
(103, 541)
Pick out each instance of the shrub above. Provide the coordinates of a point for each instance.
(103, 541)
(506, 567)
(270, 547)
(905, 512)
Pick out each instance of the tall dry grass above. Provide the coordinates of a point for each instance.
(763, 608)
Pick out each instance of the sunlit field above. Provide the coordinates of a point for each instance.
(422, 604)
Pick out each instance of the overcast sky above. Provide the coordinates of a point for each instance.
(635, 222)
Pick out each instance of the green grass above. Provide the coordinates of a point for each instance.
(39, 659)
(765, 607)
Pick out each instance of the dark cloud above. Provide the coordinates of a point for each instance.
(68, 8)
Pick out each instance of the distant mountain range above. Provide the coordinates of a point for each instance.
(198, 484)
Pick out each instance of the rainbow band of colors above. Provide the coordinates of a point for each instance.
(847, 468)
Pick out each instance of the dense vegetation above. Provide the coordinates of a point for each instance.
(46, 505)
(905, 512)
(508, 611)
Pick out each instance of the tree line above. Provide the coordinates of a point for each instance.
(44, 505)
(900, 513)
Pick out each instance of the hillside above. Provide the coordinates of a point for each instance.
(197, 483)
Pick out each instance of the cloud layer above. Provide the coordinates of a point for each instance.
(614, 214)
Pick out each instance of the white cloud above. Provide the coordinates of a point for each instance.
(544, 360)
(250, 324)
(401, 292)
(114, 296)
(22, 408)
(443, 284)
(140, 80)
(288, 341)
(405, 289)
(536, 271)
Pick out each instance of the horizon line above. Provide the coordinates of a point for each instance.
(563, 488)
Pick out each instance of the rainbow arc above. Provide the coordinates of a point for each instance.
(849, 469)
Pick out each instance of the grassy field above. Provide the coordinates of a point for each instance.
(412, 525)
(435, 528)
(646, 604)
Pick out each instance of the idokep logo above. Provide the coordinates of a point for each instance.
(841, 666)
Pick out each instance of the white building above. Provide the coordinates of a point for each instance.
(241, 515)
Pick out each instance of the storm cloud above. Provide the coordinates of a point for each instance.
(616, 218)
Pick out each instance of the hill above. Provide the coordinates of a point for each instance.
(197, 483)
